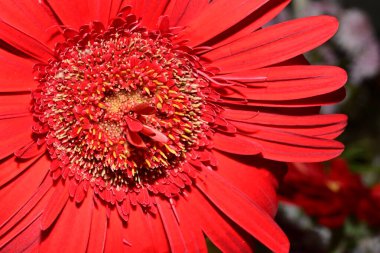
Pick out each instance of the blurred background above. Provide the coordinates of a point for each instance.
(335, 207)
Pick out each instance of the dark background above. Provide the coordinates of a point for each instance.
(372, 7)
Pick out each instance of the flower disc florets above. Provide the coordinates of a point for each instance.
(121, 107)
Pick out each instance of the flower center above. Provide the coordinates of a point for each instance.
(123, 107)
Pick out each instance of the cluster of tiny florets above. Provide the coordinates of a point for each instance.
(123, 106)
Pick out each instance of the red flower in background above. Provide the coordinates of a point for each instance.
(153, 122)
(368, 208)
(328, 194)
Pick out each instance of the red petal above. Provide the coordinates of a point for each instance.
(74, 222)
(19, 191)
(30, 150)
(213, 222)
(14, 134)
(16, 74)
(137, 6)
(321, 131)
(98, 232)
(180, 12)
(133, 124)
(135, 139)
(20, 228)
(173, 231)
(152, 10)
(292, 82)
(274, 44)
(33, 18)
(11, 168)
(213, 19)
(81, 192)
(24, 42)
(124, 209)
(253, 22)
(14, 105)
(27, 238)
(154, 134)
(190, 228)
(236, 144)
(55, 206)
(28, 207)
(144, 109)
(272, 119)
(241, 172)
(114, 237)
(290, 147)
(242, 210)
(325, 99)
(104, 10)
(148, 226)
(74, 13)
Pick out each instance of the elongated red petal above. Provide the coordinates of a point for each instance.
(14, 105)
(320, 100)
(154, 134)
(33, 18)
(98, 232)
(273, 119)
(235, 144)
(241, 171)
(173, 231)
(135, 139)
(30, 150)
(21, 190)
(311, 130)
(16, 73)
(274, 44)
(291, 147)
(227, 198)
(73, 216)
(253, 22)
(213, 19)
(24, 42)
(26, 238)
(26, 209)
(292, 82)
(190, 227)
(54, 208)
(151, 227)
(12, 167)
(105, 10)
(74, 13)
(213, 222)
(14, 143)
(114, 238)
(180, 12)
(153, 9)
(24, 219)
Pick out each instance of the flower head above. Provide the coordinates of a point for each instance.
(141, 125)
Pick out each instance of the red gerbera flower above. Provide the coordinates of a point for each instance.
(328, 194)
(153, 122)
